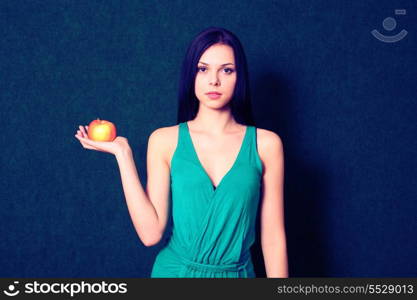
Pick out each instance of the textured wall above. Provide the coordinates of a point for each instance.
(343, 102)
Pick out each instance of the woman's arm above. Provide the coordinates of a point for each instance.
(148, 210)
(273, 237)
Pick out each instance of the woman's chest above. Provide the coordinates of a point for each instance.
(217, 156)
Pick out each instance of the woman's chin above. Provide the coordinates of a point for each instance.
(218, 105)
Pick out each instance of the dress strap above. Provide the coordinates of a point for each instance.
(183, 145)
(252, 149)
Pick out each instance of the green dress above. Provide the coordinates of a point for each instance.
(213, 227)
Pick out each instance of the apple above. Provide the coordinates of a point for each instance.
(101, 130)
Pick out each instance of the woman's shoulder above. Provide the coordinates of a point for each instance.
(165, 138)
(164, 132)
(268, 142)
(267, 136)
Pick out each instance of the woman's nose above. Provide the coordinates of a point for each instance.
(214, 80)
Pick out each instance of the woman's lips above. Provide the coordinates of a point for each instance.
(213, 95)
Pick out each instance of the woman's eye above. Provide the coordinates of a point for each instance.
(227, 70)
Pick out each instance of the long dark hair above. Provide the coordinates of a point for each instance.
(240, 103)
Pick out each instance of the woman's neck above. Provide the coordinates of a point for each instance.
(214, 122)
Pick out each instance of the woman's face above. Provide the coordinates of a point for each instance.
(216, 73)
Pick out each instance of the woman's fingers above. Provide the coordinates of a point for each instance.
(86, 146)
(79, 137)
(87, 143)
(83, 131)
(96, 145)
(85, 140)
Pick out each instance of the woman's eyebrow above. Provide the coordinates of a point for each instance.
(208, 64)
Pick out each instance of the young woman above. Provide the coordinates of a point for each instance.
(214, 166)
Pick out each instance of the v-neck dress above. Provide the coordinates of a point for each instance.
(213, 227)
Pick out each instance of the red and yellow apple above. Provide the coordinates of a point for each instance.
(101, 131)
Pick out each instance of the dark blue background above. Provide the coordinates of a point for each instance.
(343, 103)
